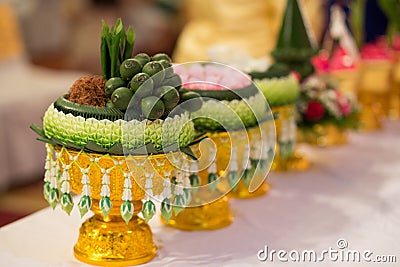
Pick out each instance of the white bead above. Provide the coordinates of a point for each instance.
(233, 166)
(127, 195)
(212, 168)
(65, 187)
(194, 167)
(86, 190)
(105, 191)
(85, 179)
(47, 176)
(127, 183)
(149, 192)
(105, 179)
(149, 184)
(178, 190)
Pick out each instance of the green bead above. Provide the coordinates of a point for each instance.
(130, 68)
(161, 56)
(169, 96)
(127, 210)
(169, 71)
(66, 203)
(247, 176)
(212, 181)
(179, 204)
(166, 209)
(148, 210)
(152, 107)
(142, 84)
(191, 101)
(194, 182)
(84, 205)
(143, 58)
(54, 197)
(113, 84)
(105, 206)
(154, 69)
(233, 179)
(121, 98)
(46, 191)
(174, 81)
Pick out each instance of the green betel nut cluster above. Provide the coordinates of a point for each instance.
(128, 107)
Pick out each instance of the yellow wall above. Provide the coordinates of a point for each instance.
(249, 25)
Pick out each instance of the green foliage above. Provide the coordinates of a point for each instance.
(116, 46)
(391, 8)
(357, 17)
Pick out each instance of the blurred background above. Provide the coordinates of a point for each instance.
(46, 44)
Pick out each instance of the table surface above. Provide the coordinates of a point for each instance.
(351, 192)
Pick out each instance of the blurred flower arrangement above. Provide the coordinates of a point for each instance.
(321, 102)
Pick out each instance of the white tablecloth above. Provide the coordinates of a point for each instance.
(350, 192)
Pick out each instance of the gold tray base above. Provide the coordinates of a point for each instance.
(242, 191)
(112, 242)
(296, 162)
(323, 135)
(211, 216)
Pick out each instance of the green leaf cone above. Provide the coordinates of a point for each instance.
(194, 182)
(84, 205)
(212, 182)
(66, 203)
(105, 206)
(127, 210)
(294, 46)
(232, 179)
(247, 175)
(188, 195)
(148, 210)
(166, 209)
(293, 33)
(46, 191)
(179, 204)
(54, 197)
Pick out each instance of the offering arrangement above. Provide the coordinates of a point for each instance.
(120, 142)
(238, 156)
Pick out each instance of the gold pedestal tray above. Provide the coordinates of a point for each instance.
(372, 110)
(286, 156)
(242, 191)
(374, 92)
(223, 160)
(394, 95)
(262, 148)
(112, 242)
(210, 216)
(110, 187)
(323, 135)
(347, 80)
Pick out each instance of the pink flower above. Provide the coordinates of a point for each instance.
(315, 111)
(211, 77)
(321, 62)
(296, 75)
(377, 51)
